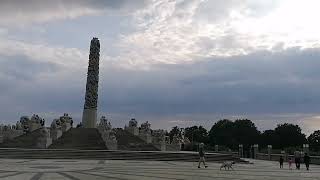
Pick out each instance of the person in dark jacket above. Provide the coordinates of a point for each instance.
(201, 155)
(297, 157)
(281, 161)
(306, 160)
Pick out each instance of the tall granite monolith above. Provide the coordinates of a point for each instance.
(89, 117)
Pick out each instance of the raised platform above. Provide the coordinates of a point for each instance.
(28, 140)
(17, 153)
(79, 138)
(130, 142)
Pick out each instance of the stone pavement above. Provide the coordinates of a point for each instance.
(45, 169)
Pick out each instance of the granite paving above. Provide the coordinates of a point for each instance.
(41, 169)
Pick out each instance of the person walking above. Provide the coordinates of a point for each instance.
(281, 162)
(297, 159)
(290, 163)
(201, 155)
(306, 160)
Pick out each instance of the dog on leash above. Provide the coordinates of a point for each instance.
(226, 165)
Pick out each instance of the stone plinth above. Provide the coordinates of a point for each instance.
(241, 151)
(55, 134)
(133, 130)
(269, 151)
(66, 127)
(34, 126)
(161, 146)
(44, 140)
(111, 144)
(173, 147)
(216, 148)
(43, 143)
(255, 150)
(146, 137)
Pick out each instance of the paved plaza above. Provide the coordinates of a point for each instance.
(26, 169)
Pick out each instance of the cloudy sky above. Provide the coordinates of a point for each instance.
(171, 62)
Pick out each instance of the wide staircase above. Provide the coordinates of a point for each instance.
(130, 142)
(16, 153)
(79, 138)
(28, 140)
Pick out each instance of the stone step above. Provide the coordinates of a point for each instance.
(79, 138)
(112, 155)
(127, 141)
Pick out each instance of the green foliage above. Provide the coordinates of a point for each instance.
(288, 135)
(175, 131)
(196, 134)
(231, 134)
(314, 140)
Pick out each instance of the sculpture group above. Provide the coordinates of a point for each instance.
(61, 125)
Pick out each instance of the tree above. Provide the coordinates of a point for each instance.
(221, 133)
(314, 140)
(245, 132)
(174, 131)
(196, 134)
(231, 134)
(288, 135)
(268, 137)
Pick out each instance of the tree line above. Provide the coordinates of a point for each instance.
(230, 134)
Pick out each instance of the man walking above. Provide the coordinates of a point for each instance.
(297, 159)
(201, 155)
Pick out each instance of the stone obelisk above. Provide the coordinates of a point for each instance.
(89, 117)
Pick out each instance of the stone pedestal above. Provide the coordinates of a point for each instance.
(55, 134)
(89, 118)
(111, 145)
(44, 140)
(1, 139)
(163, 146)
(255, 150)
(160, 146)
(146, 137)
(269, 151)
(133, 130)
(43, 143)
(240, 150)
(66, 127)
(34, 126)
(216, 148)
(173, 147)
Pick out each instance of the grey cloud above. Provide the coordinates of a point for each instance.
(22, 68)
(16, 12)
(260, 83)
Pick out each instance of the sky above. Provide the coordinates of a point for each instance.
(169, 62)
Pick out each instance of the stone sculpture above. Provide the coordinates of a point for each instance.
(89, 117)
(107, 133)
(133, 127)
(29, 125)
(133, 123)
(145, 132)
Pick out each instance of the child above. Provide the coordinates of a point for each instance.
(307, 160)
(281, 162)
(290, 163)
